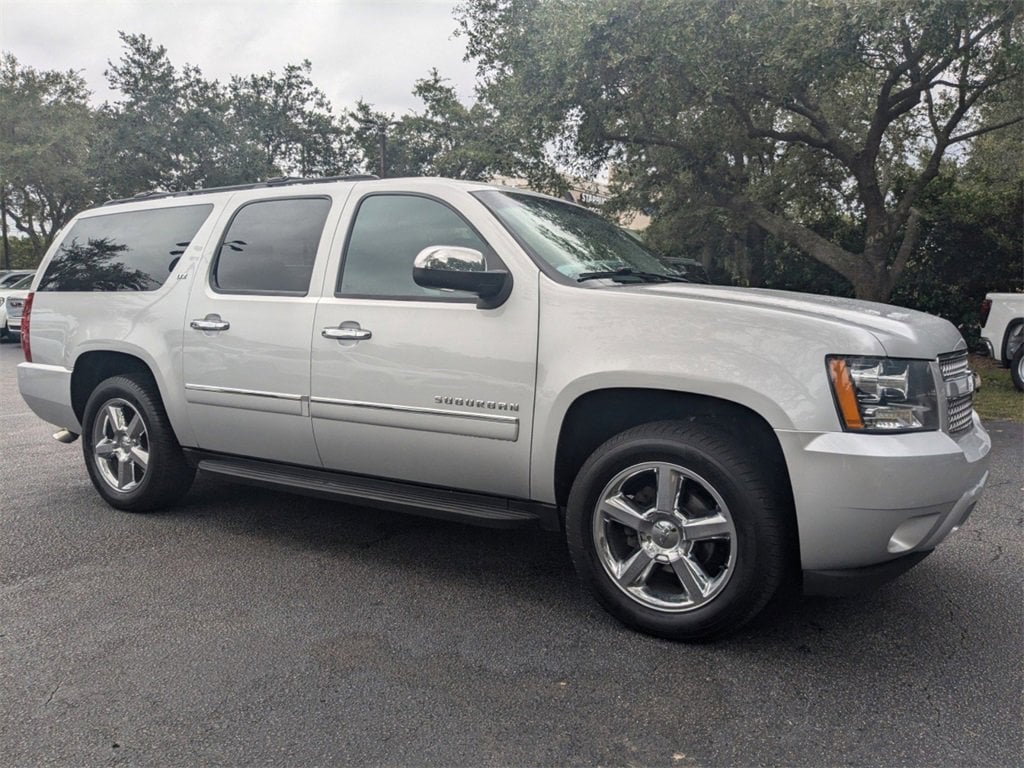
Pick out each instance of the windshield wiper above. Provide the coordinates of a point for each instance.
(644, 277)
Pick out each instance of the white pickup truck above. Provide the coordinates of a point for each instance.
(1002, 332)
(506, 358)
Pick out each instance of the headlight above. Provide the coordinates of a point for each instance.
(883, 394)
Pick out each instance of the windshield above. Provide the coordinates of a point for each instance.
(24, 283)
(574, 241)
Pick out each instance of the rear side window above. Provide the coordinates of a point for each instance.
(270, 247)
(133, 251)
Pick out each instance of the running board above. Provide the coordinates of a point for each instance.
(476, 508)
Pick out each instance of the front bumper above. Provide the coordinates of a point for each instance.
(852, 581)
(863, 501)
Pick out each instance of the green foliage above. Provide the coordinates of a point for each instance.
(46, 131)
(997, 399)
(778, 114)
(791, 144)
(173, 129)
(169, 129)
(446, 138)
(290, 120)
(22, 254)
(971, 246)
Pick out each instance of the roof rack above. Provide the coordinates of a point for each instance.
(277, 181)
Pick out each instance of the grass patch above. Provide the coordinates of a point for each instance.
(997, 398)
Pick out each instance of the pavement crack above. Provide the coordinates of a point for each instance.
(53, 693)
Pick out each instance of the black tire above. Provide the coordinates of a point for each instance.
(1017, 368)
(732, 522)
(135, 465)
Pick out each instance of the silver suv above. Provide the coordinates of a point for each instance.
(506, 358)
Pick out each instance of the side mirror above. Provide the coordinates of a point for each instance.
(461, 269)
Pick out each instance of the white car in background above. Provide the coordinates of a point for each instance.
(9, 277)
(12, 300)
(1002, 319)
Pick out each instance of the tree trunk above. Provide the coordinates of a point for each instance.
(871, 287)
(3, 228)
(869, 272)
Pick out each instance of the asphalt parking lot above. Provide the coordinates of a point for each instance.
(254, 628)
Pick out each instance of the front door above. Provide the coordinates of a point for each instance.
(416, 383)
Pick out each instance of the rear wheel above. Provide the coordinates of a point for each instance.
(1017, 368)
(677, 531)
(132, 456)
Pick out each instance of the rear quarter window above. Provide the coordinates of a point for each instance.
(131, 251)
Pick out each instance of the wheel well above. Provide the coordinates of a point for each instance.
(597, 416)
(1005, 354)
(93, 367)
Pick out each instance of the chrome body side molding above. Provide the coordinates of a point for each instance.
(465, 423)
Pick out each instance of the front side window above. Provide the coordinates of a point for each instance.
(389, 231)
(133, 251)
(270, 247)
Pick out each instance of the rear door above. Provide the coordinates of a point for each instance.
(248, 328)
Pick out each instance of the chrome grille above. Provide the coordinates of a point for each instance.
(14, 307)
(959, 412)
(959, 398)
(952, 365)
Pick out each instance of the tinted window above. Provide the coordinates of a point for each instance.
(133, 251)
(571, 239)
(270, 246)
(389, 231)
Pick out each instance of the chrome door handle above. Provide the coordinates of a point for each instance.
(210, 324)
(346, 334)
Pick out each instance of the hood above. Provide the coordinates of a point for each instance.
(901, 332)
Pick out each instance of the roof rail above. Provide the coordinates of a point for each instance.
(277, 181)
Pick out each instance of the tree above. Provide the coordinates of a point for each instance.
(778, 115)
(290, 121)
(174, 129)
(446, 138)
(46, 129)
(168, 130)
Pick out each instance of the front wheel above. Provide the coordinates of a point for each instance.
(1017, 368)
(677, 531)
(131, 453)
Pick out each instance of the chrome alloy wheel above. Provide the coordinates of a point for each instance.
(665, 536)
(120, 445)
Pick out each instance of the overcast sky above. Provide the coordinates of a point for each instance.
(369, 49)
